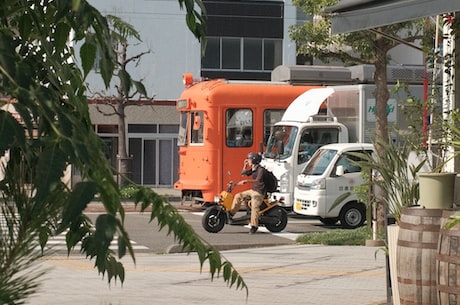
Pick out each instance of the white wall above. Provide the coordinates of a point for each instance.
(161, 25)
(289, 46)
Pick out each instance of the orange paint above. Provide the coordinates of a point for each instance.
(221, 122)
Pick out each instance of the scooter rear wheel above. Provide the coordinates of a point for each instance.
(214, 219)
(281, 222)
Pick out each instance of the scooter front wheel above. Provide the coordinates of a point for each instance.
(214, 219)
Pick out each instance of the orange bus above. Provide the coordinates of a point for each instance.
(222, 121)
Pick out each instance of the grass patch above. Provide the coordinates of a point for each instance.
(337, 237)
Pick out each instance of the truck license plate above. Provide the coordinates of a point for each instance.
(298, 205)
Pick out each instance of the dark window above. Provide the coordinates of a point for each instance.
(142, 128)
(231, 53)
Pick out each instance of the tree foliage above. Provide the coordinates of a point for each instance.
(129, 91)
(371, 47)
(51, 131)
(361, 47)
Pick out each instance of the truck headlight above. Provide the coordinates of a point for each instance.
(284, 183)
(301, 181)
(318, 184)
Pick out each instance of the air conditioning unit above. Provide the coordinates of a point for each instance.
(407, 74)
(312, 75)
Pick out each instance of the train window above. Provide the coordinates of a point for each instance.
(239, 127)
(182, 136)
(197, 130)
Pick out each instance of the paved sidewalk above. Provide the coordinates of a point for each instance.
(293, 274)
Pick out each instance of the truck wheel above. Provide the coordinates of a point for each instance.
(214, 219)
(352, 215)
(329, 221)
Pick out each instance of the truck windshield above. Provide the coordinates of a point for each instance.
(281, 142)
(319, 162)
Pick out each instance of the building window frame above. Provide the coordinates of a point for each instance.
(218, 56)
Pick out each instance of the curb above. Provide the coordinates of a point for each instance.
(176, 248)
(129, 206)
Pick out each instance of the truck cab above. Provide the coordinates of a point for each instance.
(325, 185)
(305, 126)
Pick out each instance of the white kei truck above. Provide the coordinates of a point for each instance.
(320, 116)
(331, 174)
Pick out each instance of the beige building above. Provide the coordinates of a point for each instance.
(152, 140)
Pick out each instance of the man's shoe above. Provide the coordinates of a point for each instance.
(253, 230)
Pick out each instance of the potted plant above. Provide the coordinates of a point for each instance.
(393, 179)
(434, 143)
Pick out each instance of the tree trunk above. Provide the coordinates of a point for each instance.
(381, 123)
(456, 71)
(124, 160)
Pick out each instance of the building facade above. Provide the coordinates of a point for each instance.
(246, 40)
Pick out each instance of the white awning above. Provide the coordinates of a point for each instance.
(354, 15)
(306, 105)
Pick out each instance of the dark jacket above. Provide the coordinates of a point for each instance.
(257, 174)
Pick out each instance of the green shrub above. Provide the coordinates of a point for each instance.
(127, 192)
(338, 237)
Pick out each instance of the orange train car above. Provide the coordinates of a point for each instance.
(222, 121)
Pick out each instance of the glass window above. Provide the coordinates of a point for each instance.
(197, 128)
(252, 54)
(239, 128)
(234, 53)
(272, 53)
(211, 59)
(142, 128)
(110, 149)
(271, 116)
(107, 128)
(350, 162)
(169, 128)
(281, 142)
(319, 162)
(231, 53)
(182, 135)
(307, 146)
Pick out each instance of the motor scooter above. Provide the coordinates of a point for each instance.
(271, 215)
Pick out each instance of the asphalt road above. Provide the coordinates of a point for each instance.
(148, 238)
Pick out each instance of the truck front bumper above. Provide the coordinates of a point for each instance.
(286, 201)
(309, 203)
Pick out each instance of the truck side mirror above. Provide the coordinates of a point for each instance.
(340, 171)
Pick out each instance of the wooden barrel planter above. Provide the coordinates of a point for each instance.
(416, 255)
(448, 262)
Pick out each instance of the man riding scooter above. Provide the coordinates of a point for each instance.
(251, 168)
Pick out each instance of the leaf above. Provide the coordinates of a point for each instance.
(25, 25)
(51, 163)
(61, 36)
(339, 200)
(87, 56)
(125, 81)
(140, 88)
(82, 193)
(10, 131)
